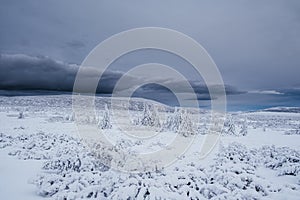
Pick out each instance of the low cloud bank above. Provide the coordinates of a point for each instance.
(23, 72)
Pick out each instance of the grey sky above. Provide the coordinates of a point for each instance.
(255, 43)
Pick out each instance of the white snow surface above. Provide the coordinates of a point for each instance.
(42, 156)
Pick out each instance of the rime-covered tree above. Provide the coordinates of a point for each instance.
(105, 122)
(179, 122)
(173, 121)
(244, 128)
(231, 127)
(155, 117)
(146, 117)
(150, 116)
(186, 124)
(169, 123)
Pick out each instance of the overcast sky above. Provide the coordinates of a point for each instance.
(255, 43)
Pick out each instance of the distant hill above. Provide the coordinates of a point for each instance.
(283, 109)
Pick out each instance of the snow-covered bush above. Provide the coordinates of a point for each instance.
(41, 145)
(63, 165)
(295, 131)
(70, 117)
(74, 185)
(21, 115)
(235, 168)
(287, 168)
(5, 140)
(283, 159)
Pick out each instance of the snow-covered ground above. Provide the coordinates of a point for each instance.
(42, 155)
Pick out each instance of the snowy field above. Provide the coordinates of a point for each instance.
(42, 155)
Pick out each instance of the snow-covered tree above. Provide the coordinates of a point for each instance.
(186, 125)
(179, 122)
(146, 118)
(105, 122)
(235, 128)
(150, 116)
(244, 128)
(173, 121)
(231, 130)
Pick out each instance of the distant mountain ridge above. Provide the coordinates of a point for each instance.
(283, 109)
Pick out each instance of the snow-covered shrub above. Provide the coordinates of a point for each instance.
(42, 146)
(288, 168)
(105, 122)
(21, 115)
(293, 132)
(82, 160)
(202, 129)
(115, 155)
(5, 140)
(236, 153)
(83, 118)
(283, 159)
(70, 117)
(235, 168)
(74, 185)
(141, 186)
(63, 165)
(211, 190)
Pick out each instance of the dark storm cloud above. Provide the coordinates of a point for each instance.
(23, 72)
(26, 72)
